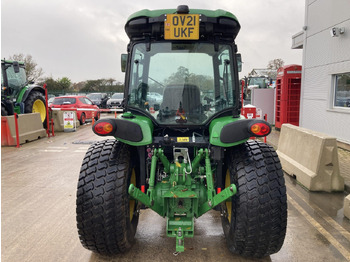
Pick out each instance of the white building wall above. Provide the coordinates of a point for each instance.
(324, 56)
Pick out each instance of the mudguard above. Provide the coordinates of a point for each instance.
(132, 130)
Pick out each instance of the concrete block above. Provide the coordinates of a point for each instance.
(58, 123)
(310, 156)
(30, 128)
(347, 206)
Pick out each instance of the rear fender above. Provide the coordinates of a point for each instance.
(136, 131)
(241, 130)
(228, 131)
(24, 93)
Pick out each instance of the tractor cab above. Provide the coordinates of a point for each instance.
(16, 95)
(188, 59)
(13, 77)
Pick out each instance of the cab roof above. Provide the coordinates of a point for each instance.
(156, 13)
(4, 61)
(217, 25)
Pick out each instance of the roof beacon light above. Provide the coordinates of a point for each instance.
(182, 9)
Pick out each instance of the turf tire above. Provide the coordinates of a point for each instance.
(258, 216)
(103, 205)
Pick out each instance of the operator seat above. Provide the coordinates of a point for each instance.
(187, 94)
(141, 95)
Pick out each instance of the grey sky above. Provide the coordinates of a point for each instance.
(83, 39)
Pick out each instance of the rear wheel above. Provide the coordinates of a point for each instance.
(106, 217)
(255, 219)
(82, 119)
(35, 103)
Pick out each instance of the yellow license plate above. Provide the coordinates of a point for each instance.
(181, 27)
(183, 139)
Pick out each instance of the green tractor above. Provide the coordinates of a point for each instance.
(188, 151)
(17, 96)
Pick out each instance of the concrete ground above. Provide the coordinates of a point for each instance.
(38, 194)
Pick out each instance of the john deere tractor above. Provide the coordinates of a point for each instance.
(17, 96)
(187, 153)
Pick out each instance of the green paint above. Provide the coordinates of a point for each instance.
(21, 94)
(215, 128)
(183, 193)
(209, 176)
(156, 13)
(164, 160)
(217, 199)
(146, 127)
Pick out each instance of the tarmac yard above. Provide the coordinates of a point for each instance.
(38, 194)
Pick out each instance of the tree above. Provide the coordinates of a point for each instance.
(76, 87)
(118, 88)
(181, 76)
(275, 64)
(51, 84)
(54, 86)
(32, 70)
(102, 85)
(65, 83)
(92, 85)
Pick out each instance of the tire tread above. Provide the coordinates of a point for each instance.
(259, 209)
(102, 200)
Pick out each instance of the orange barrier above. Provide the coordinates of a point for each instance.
(6, 138)
(19, 129)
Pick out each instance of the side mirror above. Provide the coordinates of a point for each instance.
(239, 62)
(124, 59)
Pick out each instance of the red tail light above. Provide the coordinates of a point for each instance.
(103, 128)
(260, 129)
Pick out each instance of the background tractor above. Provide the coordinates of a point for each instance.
(17, 95)
(184, 154)
(255, 82)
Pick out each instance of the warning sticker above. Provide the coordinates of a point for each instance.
(183, 139)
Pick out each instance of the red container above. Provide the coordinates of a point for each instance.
(288, 84)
